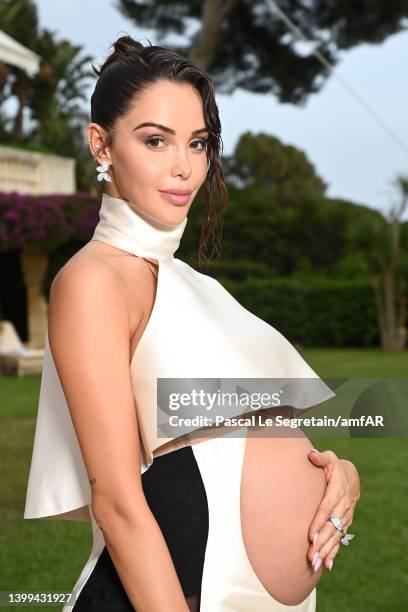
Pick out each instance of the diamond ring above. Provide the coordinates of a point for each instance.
(338, 524)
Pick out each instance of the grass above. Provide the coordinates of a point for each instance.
(370, 575)
(34, 554)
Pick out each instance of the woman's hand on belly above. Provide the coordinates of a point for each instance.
(340, 499)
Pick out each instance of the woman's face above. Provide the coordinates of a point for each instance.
(147, 161)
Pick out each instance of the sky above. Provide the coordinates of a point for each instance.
(353, 154)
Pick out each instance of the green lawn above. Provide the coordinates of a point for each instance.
(371, 575)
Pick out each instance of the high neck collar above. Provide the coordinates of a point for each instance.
(125, 226)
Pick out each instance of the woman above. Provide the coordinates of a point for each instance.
(214, 523)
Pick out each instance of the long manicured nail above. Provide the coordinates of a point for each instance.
(316, 535)
(330, 564)
(317, 564)
(315, 556)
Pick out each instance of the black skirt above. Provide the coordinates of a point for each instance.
(176, 495)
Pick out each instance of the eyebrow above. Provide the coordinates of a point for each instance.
(167, 129)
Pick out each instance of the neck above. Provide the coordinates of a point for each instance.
(126, 226)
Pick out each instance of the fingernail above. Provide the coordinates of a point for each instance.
(315, 556)
(314, 450)
(316, 535)
(317, 564)
(330, 564)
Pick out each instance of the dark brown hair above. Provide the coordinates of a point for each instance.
(124, 75)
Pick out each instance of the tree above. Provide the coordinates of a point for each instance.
(52, 96)
(56, 91)
(19, 19)
(243, 44)
(279, 171)
(385, 243)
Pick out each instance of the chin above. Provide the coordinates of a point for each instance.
(169, 215)
(174, 214)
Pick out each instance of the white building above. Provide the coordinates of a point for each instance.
(31, 173)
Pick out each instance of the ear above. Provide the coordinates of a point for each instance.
(97, 138)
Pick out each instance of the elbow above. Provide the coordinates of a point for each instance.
(115, 514)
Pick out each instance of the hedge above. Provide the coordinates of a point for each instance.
(317, 312)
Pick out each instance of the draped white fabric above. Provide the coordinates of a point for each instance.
(196, 329)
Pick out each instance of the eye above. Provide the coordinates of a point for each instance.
(201, 141)
(153, 139)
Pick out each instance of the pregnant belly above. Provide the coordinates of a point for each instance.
(280, 492)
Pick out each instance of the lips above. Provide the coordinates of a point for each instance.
(176, 196)
(177, 191)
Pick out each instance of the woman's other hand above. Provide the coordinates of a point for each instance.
(341, 496)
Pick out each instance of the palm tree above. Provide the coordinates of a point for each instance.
(384, 241)
(49, 101)
(390, 284)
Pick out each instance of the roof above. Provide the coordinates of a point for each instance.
(15, 54)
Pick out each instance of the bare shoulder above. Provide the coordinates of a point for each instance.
(99, 273)
(102, 262)
(82, 284)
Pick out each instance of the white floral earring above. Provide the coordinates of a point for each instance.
(103, 171)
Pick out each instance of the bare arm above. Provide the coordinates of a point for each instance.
(89, 336)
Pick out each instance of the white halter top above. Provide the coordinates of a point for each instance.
(196, 330)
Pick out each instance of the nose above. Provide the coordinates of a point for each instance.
(181, 164)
